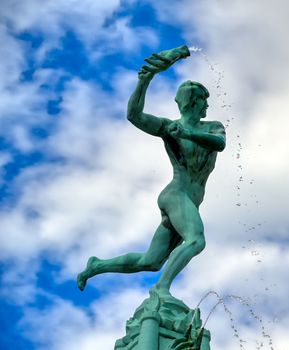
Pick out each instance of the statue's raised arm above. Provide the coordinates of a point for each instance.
(156, 63)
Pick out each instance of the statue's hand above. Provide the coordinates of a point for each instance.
(176, 130)
(159, 62)
(145, 75)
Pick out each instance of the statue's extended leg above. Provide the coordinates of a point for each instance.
(185, 218)
(164, 241)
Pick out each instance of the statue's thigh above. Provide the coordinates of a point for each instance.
(164, 241)
(185, 218)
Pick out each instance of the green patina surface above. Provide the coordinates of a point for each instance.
(192, 145)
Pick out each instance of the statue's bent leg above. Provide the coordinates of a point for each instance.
(185, 218)
(163, 242)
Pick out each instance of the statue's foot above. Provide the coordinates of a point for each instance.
(90, 271)
(163, 292)
(166, 298)
(81, 281)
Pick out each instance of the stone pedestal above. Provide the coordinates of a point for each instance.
(164, 323)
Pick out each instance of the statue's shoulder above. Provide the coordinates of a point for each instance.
(213, 125)
(218, 123)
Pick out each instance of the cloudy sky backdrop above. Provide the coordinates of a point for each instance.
(77, 179)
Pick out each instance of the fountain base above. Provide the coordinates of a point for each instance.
(164, 323)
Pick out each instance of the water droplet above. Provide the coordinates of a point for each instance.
(195, 49)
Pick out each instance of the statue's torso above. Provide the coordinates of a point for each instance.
(192, 165)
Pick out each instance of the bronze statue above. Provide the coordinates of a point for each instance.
(192, 146)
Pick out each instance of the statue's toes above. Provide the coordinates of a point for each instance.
(81, 282)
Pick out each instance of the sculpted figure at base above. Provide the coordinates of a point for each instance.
(192, 146)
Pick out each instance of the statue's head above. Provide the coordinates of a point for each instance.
(192, 96)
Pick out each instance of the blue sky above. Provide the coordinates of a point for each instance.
(76, 179)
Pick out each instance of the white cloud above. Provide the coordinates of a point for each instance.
(12, 61)
(88, 20)
(24, 103)
(51, 18)
(70, 327)
(246, 38)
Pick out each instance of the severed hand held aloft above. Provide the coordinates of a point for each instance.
(159, 62)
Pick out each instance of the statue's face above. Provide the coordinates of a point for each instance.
(200, 103)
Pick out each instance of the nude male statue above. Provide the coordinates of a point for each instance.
(192, 146)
